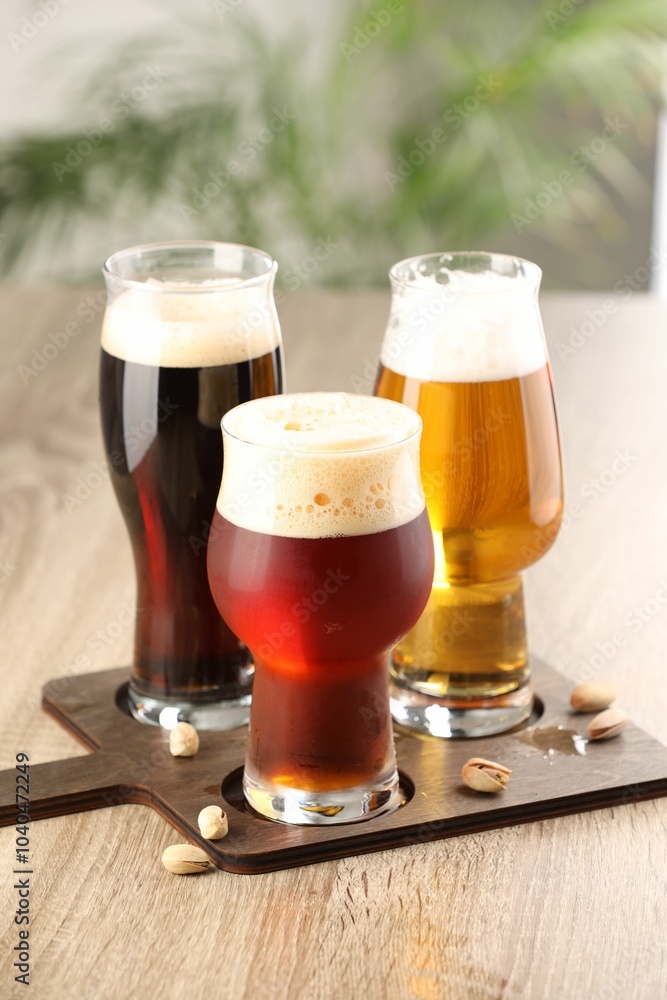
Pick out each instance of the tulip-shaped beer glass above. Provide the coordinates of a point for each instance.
(465, 348)
(321, 559)
(190, 330)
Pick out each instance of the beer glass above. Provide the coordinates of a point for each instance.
(465, 348)
(321, 559)
(189, 331)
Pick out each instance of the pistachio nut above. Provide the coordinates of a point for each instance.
(183, 740)
(607, 724)
(185, 859)
(213, 823)
(592, 696)
(485, 775)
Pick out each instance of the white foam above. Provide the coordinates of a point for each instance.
(321, 464)
(188, 325)
(478, 328)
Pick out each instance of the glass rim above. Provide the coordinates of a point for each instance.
(323, 452)
(527, 270)
(225, 284)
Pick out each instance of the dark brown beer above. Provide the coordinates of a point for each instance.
(321, 559)
(190, 330)
(331, 610)
(161, 429)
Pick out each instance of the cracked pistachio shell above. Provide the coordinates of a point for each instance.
(607, 724)
(485, 775)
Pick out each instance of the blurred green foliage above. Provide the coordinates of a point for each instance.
(411, 126)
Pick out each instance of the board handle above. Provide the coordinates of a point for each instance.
(61, 787)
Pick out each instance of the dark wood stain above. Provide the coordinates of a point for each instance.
(131, 763)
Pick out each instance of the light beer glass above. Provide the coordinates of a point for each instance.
(321, 559)
(190, 330)
(465, 348)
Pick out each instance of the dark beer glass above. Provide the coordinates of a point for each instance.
(320, 559)
(190, 331)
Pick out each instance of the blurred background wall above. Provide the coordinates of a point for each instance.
(345, 133)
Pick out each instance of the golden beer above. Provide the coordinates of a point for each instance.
(491, 473)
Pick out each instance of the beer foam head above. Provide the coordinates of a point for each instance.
(457, 325)
(321, 464)
(184, 324)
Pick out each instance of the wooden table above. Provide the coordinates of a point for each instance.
(573, 907)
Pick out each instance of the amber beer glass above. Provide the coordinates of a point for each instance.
(190, 331)
(321, 560)
(465, 348)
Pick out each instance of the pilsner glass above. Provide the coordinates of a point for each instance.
(190, 330)
(321, 559)
(465, 348)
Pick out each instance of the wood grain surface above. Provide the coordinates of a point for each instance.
(567, 907)
(131, 763)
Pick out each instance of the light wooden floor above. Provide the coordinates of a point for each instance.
(569, 908)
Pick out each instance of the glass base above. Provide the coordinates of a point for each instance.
(167, 712)
(440, 717)
(307, 808)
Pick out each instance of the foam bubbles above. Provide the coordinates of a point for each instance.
(317, 465)
(191, 325)
(479, 327)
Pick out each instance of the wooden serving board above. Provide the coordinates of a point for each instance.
(131, 762)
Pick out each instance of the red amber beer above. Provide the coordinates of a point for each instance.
(464, 346)
(321, 559)
(189, 332)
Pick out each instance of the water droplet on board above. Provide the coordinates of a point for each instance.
(553, 740)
